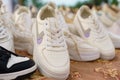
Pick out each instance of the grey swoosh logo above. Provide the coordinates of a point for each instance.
(86, 32)
(40, 37)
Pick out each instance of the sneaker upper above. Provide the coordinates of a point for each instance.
(89, 28)
(22, 30)
(77, 47)
(6, 38)
(115, 28)
(50, 45)
(105, 20)
(11, 62)
(113, 31)
(108, 23)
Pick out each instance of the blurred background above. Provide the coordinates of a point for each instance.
(64, 3)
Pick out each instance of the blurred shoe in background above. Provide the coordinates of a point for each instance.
(111, 29)
(91, 31)
(22, 30)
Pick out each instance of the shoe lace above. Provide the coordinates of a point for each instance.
(3, 31)
(54, 37)
(5, 16)
(97, 29)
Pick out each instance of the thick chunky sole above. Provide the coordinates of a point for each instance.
(47, 73)
(87, 56)
(108, 57)
(18, 75)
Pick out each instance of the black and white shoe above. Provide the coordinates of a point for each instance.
(13, 66)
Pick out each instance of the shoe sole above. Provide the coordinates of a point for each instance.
(19, 74)
(48, 73)
(87, 57)
(106, 57)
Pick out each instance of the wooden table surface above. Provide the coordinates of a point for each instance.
(95, 70)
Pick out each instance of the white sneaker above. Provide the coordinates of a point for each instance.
(115, 39)
(90, 30)
(110, 11)
(79, 49)
(50, 50)
(6, 38)
(104, 18)
(112, 31)
(23, 29)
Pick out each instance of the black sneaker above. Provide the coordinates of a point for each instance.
(13, 66)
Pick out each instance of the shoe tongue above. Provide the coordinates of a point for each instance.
(52, 22)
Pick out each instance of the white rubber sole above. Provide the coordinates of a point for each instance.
(14, 75)
(108, 57)
(48, 73)
(87, 56)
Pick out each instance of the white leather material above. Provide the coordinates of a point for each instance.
(22, 31)
(14, 60)
(55, 58)
(103, 17)
(113, 31)
(92, 31)
(77, 47)
(50, 51)
(8, 44)
(114, 37)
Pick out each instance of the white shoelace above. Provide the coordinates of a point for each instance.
(3, 32)
(54, 37)
(97, 30)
